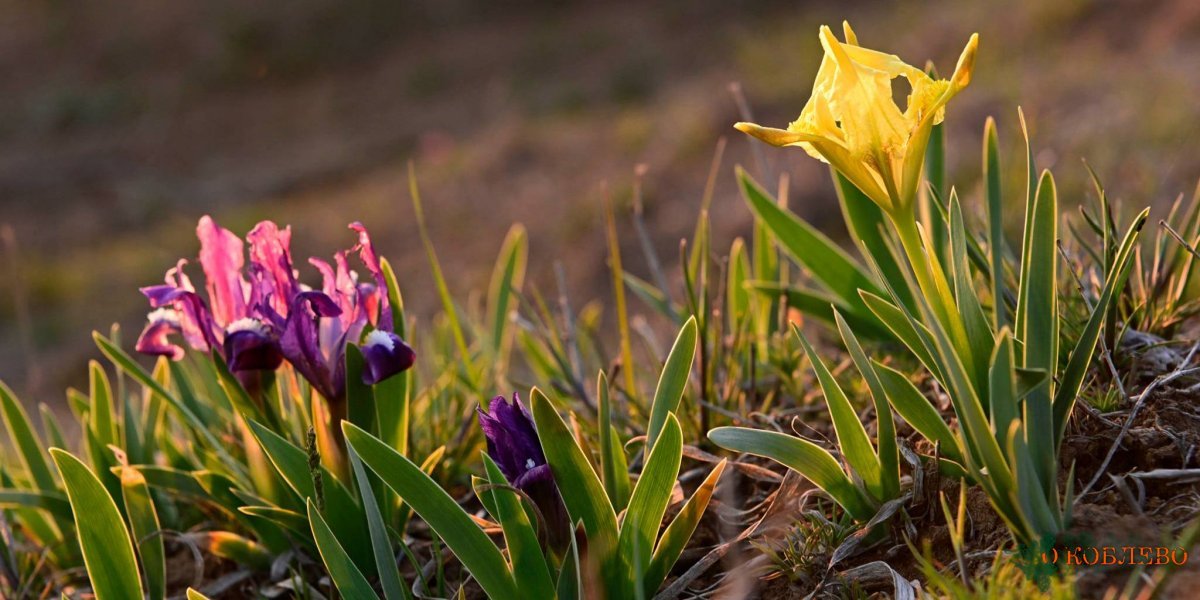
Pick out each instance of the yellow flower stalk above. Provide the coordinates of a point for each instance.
(852, 123)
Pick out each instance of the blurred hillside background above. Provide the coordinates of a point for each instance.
(121, 122)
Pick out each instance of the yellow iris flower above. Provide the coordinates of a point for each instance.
(852, 122)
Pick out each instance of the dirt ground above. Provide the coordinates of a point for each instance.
(121, 124)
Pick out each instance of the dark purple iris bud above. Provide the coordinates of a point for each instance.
(154, 340)
(512, 442)
(251, 345)
(384, 355)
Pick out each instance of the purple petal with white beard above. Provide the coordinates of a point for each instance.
(195, 320)
(154, 339)
(251, 346)
(385, 355)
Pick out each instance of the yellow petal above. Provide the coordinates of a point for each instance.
(966, 63)
(848, 33)
(777, 137)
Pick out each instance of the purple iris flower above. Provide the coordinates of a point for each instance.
(226, 320)
(512, 442)
(260, 314)
(316, 325)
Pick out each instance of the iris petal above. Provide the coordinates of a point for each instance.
(154, 341)
(385, 355)
(252, 348)
(222, 259)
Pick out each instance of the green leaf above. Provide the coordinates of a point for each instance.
(1027, 232)
(673, 381)
(381, 545)
(910, 333)
(194, 595)
(129, 366)
(995, 212)
(916, 410)
(283, 517)
(613, 467)
(676, 536)
(345, 516)
(978, 329)
(451, 312)
(885, 436)
(360, 398)
(852, 438)
(395, 300)
(26, 440)
(1002, 386)
(143, 521)
(529, 567)
(393, 395)
(935, 174)
(468, 542)
(107, 549)
(581, 489)
(802, 456)
(507, 277)
(348, 579)
(238, 397)
(54, 434)
(189, 484)
(1081, 356)
(867, 224)
(618, 282)
(821, 305)
(737, 297)
(649, 502)
(570, 579)
(827, 262)
(652, 296)
(1038, 319)
(53, 502)
(101, 407)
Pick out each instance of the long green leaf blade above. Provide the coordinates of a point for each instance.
(143, 522)
(613, 467)
(1040, 322)
(346, 577)
(676, 536)
(26, 440)
(381, 546)
(827, 262)
(468, 542)
(107, 549)
(530, 570)
(852, 437)
(673, 381)
(582, 491)
(802, 456)
(995, 212)
(649, 501)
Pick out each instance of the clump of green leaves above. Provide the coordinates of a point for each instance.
(803, 554)
(626, 558)
(998, 361)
